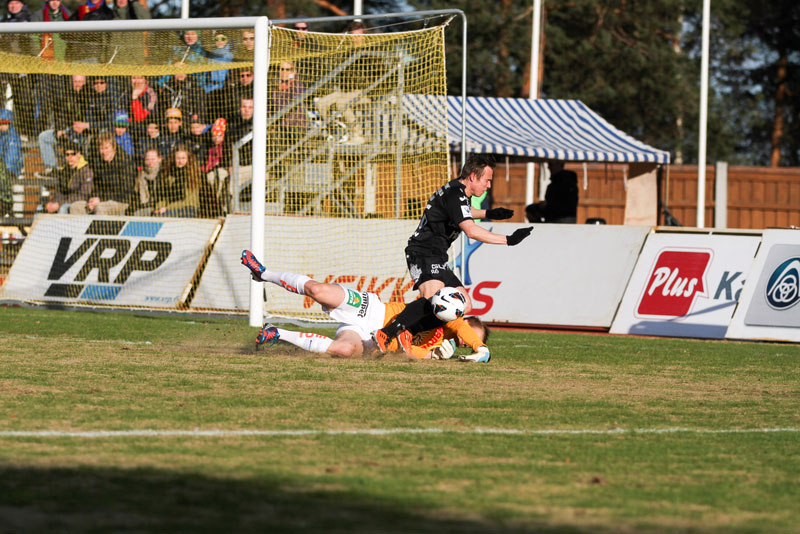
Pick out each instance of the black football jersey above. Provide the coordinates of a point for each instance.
(438, 227)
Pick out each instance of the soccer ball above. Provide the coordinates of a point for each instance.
(448, 304)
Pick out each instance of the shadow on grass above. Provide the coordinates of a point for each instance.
(147, 500)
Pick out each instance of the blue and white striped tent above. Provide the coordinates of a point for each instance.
(549, 129)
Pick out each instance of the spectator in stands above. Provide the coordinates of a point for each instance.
(246, 46)
(287, 131)
(199, 137)
(180, 91)
(306, 49)
(173, 135)
(75, 180)
(130, 10)
(114, 180)
(10, 152)
(69, 121)
(214, 195)
(227, 100)
(52, 45)
(143, 101)
(560, 204)
(121, 135)
(239, 128)
(220, 54)
(151, 139)
(22, 86)
(17, 11)
(10, 161)
(191, 50)
(177, 193)
(148, 176)
(102, 105)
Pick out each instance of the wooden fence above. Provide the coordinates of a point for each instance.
(758, 197)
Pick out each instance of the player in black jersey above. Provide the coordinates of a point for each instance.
(447, 214)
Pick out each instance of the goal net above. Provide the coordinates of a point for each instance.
(133, 151)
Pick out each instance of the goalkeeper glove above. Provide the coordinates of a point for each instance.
(498, 214)
(518, 235)
(445, 351)
(482, 356)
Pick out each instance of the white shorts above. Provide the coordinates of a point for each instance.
(362, 313)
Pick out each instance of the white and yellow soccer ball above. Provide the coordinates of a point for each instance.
(448, 304)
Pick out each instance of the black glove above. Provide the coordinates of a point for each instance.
(518, 236)
(498, 214)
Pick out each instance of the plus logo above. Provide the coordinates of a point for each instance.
(676, 280)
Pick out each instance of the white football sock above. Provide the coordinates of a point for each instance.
(306, 340)
(294, 283)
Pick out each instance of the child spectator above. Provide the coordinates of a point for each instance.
(215, 195)
(151, 138)
(174, 135)
(199, 136)
(10, 152)
(121, 135)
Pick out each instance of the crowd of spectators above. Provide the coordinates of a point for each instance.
(143, 145)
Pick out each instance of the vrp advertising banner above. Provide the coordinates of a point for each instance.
(686, 285)
(770, 307)
(106, 260)
(562, 275)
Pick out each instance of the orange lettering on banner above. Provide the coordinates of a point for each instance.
(377, 290)
(345, 279)
(360, 283)
(400, 290)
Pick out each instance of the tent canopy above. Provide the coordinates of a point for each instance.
(548, 129)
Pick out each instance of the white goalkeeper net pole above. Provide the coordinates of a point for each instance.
(260, 68)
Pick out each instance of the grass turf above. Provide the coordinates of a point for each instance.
(83, 371)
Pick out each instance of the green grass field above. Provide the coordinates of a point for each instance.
(648, 435)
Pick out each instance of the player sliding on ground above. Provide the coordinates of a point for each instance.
(360, 314)
(447, 214)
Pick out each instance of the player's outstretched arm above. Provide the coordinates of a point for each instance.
(478, 233)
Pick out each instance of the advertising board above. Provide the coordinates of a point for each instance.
(686, 284)
(117, 261)
(770, 307)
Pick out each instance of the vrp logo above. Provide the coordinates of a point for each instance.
(783, 287)
(111, 246)
(677, 279)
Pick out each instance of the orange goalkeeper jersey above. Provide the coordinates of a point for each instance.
(424, 342)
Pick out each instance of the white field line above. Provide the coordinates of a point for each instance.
(374, 432)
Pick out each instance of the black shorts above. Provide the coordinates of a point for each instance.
(423, 268)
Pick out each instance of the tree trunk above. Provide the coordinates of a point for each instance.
(780, 101)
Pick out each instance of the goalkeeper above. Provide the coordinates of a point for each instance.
(359, 314)
(447, 214)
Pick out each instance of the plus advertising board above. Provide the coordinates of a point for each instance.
(770, 308)
(686, 285)
(328, 250)
(562, 275)
(76, 259)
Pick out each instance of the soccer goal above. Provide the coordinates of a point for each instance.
(152, 152)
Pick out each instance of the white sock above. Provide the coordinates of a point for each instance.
(306, 340)
(294, 283)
